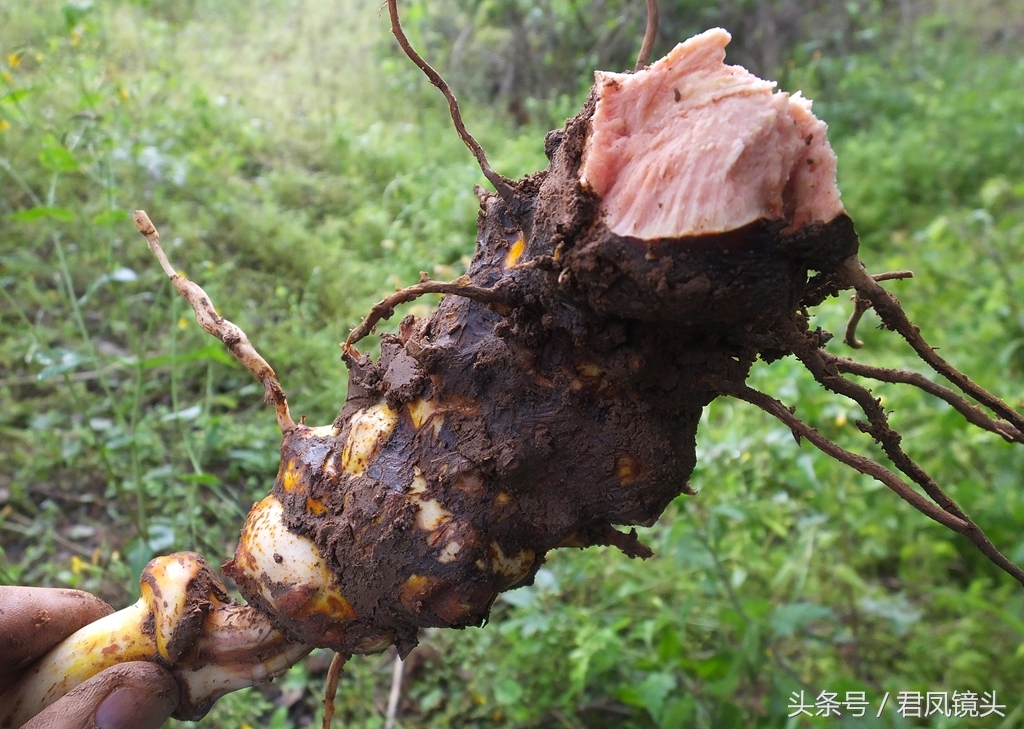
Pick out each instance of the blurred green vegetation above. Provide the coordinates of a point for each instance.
(298, 168)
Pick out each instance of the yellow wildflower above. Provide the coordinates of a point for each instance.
(13, 60)
(4, 125)
(123, 92)
(182, 323)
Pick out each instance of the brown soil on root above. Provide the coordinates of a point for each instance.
(501, 432)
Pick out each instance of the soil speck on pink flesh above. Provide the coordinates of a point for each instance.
(691, 146)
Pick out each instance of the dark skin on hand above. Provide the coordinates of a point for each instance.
(134, 695)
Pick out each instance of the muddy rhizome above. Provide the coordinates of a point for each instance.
(686, 224)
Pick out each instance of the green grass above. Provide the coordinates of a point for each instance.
(298, 170)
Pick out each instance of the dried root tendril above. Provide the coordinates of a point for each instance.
(827, 371)
(395, 694)
(859, 463)
(212, 322)
(971, 412)
(501, 183)
(878, 428)
(894, 318)
(331, 687)
(860, 305)
(650, 35)
(385, 308)
(825, 368)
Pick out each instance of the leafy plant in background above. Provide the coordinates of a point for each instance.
(124, 432)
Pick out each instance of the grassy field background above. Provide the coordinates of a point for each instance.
(298, 168)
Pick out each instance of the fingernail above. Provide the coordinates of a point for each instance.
(126, 708)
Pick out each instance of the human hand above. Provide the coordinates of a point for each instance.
(136, 695)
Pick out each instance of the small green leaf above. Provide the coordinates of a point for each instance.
(76, 12)
(13, 97)
(787, 619)
(678, 713)
(66, 362)
(110, 217)
(507, 691)
(41, 213)
(55, 157)
(214, 351)
(203, 479)
(187, 414)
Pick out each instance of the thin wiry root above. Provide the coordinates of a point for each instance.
(212, 322)
(331, 688)
(459, 287)
(889, 439)
(824, 285)
(650, 35)
(395, 693)
(825, 371)
(859, 463)
(501, 183)
(892, 275)
(878, 425)
(860, 305)
(894, 318)
(959, 523)
(971, 412)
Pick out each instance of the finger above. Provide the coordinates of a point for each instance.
(34, 619)
(135, 695)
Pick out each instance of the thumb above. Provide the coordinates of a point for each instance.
(136, 695)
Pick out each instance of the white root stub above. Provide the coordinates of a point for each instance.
(287, 567)
(691, 146)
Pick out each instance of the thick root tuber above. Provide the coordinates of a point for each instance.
(555, 393)
(507, 426)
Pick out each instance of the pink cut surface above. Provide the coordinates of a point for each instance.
(691, 146)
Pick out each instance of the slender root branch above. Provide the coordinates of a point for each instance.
(879, 429)
(650, 35)
(460, 287)
(878, 426)
(395, 693)
(213, 323)
(893, 317)
(961, 525)
(331, 688)
(860, 305)
(501, 183)
(892, 275)
(824, 285)
(971, 412)
(864, 465)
